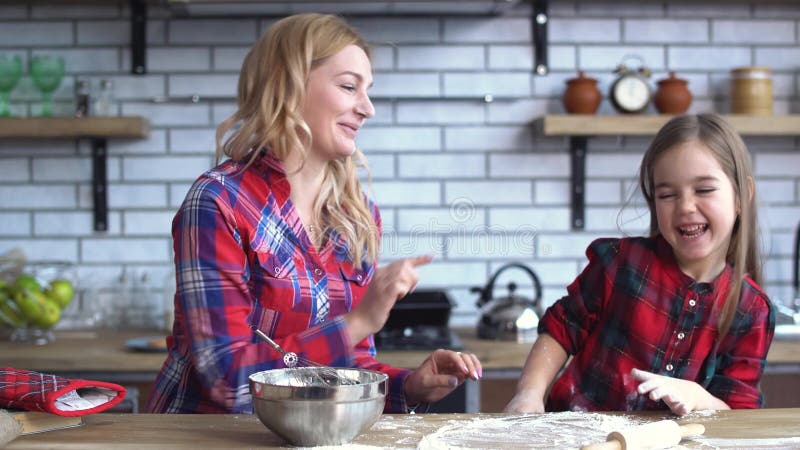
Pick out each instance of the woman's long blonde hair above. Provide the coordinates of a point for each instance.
(731, 153)
(271, 90)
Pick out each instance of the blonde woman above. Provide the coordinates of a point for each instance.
(281, 237)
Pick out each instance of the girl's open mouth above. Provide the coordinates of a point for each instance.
(693, 231)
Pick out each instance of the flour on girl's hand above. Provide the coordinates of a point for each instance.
(568, 430)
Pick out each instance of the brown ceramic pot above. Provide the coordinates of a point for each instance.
(582, 95)
(672, 96)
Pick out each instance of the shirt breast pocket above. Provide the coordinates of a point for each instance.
(355, 283)
(359, 277)
(276, 284)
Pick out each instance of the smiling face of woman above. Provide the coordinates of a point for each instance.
(696, 206)
(337, 104)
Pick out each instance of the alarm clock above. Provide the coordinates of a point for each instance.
(630, 93)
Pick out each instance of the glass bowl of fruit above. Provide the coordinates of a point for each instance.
(31, 302)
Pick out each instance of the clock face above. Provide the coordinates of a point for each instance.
(631, 93)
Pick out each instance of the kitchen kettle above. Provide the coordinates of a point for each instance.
(512, 318)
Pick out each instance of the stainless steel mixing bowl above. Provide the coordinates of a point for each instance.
(306, 411)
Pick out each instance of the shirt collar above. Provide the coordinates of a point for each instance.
(273, 171)
(667, 256)
(268, 160)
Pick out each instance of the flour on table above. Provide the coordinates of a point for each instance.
(567, 430)
(349, 446)
(704, 413)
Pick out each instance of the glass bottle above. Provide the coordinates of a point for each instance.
(104, 104)
(82, 98)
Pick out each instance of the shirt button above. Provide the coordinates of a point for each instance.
(317, 272)
(692, 302)
(359, 277)
(681, 335)
(277, 270)
(669, 367)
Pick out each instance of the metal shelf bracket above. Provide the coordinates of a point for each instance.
(539, 22)
(138, 37)
(577, 151)
(100, 184)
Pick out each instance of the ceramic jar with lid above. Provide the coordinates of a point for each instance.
(673, 95)
(751, 91)
(582, 95)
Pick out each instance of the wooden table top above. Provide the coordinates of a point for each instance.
(775, 428)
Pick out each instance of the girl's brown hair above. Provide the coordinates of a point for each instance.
(271, 90)
(731, 153)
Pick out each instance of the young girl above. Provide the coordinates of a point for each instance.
(675, 320)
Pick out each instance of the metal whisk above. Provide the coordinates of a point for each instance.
(329, 376)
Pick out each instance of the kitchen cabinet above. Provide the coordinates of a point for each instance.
(102, 355)
(251, 8)
(98, 129)
(348, 7)
(579, 127)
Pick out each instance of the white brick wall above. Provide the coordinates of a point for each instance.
(442, 166)
(437, 57)
(660, 30)
(208, 31)
(489, 192)
(22, 33)
(455, 176)
(455, 112)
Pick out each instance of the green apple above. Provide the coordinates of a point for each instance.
(50, 315)
(9, 314)
(29, 303)
(61, 291)
(28, 282)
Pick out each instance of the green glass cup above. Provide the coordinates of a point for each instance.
(10, 73)
(47, 73)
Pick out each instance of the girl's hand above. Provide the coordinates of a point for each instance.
(682, 396)
(525, 402)
(440, 373)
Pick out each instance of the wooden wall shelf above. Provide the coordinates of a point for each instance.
(580, 127)
(644, 125)
(98, 129)
(74, 127)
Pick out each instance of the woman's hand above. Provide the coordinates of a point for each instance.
(682, 396)
(440, 373)
(530, 401)
(389, 284)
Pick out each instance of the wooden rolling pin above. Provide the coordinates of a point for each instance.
(9, 428)
(661, 434)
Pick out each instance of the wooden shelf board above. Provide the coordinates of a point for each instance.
(648, 125)
(73, 127)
